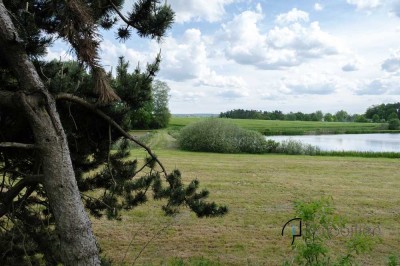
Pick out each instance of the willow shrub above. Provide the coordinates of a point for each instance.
(215, 135)
(297, 147)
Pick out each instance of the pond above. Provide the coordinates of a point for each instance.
(349, 142)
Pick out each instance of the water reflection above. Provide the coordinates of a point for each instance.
(349, 142)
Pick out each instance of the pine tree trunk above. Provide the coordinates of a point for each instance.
(77, 242)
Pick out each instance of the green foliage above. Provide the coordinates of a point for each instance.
(296, 147)
(155, 113)
(272, 127)
(147, 100)
(383, 111)
(341, 116)
(374, 114)
(360, 119)
(150, 19)
(393, 260)
(141, 118)
(178, 194)
(375, 118)
(272, 146)
(393, 115)
(215, 135)
(394, 124)
(365, 154)
(328, 117)
(134, 88)
(161, 113)
(318, 221)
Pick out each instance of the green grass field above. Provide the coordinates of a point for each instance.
(259, 190)
(274, 127)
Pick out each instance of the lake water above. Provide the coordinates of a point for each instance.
(349, 142)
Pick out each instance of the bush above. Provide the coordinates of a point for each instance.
(296, 147)
(272, 146)
(215, 135)
(394, 124)
(320, 222)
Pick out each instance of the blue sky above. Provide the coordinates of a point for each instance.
(273, 54)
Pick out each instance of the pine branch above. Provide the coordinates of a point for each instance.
(119, 12)
(147, 18)
(94, 109)
(17, 145)
(141, 168)
(28, 178)
(8, 197)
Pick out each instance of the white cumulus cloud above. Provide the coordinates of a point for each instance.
(318, 7)
(294, 15)
(282, 46)
(109, 53)
(365, 4)
(302, 84)
(392, 64)
(396, 8)
(232, 93)
(59, 52)
(186, 59)
(352, 65)
(387, 85)
(187, 10)
(187, 96)
(55, 54)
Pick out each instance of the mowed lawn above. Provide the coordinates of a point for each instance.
(260, 191)
(270, 127)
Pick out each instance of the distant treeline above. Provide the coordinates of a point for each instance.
(376, 113)
(383, 112)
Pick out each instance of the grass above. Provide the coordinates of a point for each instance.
(366, 154)
(275, 127)
(260, 190)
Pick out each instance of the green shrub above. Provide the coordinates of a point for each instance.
(272, 146)
(215, 135)
(320, 221)
(392, 260)
(365, 154)
(296, 147)
(394, 124)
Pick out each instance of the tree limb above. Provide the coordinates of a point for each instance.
(14, 53)
(8, 197)
(17, 145)
(93, 108)
(119, 13)
(28, 178)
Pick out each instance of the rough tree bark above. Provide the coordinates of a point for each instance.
(77, 242)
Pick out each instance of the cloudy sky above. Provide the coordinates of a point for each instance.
(289, 55)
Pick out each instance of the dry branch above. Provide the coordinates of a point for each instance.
(94, 109)
(17, 145)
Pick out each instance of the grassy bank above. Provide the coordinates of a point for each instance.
(273, 127)
(260, 190)
(365, 154)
